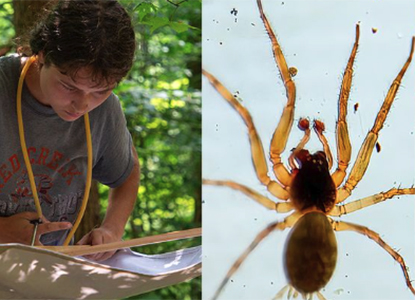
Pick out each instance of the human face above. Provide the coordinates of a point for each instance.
(70, 97)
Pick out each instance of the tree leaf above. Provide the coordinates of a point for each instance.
(179, 27)
(156, 22)
(144, 8)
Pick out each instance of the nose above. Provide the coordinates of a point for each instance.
(81, 104)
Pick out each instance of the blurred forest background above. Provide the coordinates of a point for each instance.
(162, 103)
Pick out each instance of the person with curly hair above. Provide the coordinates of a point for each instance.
(80, 51)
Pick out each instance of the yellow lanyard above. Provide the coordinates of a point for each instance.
(27, 161)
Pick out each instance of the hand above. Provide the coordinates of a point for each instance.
(18, 229)
(99, 236)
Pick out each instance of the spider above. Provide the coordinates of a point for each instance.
(307, 189)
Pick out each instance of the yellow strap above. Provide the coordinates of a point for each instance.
(22, 137)
(29, 166)
(87, 184)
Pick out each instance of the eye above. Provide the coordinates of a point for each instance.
(68, 88)
(102, 92)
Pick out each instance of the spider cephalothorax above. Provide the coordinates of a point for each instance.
(308, 189)
(312, 185)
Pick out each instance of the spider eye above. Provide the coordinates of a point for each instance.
(321, 155)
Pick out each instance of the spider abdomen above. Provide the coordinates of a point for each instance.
(310, 253)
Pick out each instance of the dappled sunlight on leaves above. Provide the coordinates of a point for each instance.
(6, 23)
(161, 100)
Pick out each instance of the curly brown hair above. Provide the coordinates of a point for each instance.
(97, 34)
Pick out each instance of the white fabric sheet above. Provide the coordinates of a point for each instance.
(31, 273)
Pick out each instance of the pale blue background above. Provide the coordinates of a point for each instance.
(316, 37)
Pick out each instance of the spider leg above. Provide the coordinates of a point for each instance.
(292, 292)
(320, 296)
(281, 207)
(339, 210)
(281, 293)
(257, 151)
(365, 152)
(319, 129)
(344, 147)
(280, 137)
(286, 223)
(341, 226)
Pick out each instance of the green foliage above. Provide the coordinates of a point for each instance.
(165, 54)
(157, 17)
(162, 103)
(165, 125)
(6, 23)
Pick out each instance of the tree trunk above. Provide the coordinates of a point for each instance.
(26, 13)
(91, 218)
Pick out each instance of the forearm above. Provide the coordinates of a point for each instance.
(121, 201)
